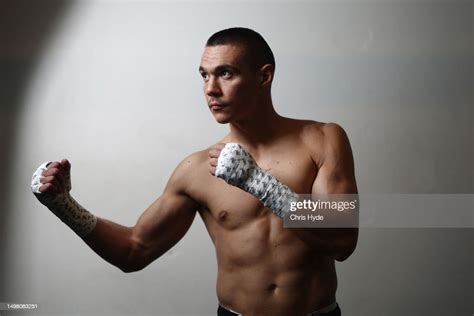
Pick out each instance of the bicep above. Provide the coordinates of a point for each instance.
(165, 221)
(336, 174)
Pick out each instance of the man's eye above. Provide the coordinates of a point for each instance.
(226, 74)
(204, 76)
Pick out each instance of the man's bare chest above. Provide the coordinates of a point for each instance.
(230, 206)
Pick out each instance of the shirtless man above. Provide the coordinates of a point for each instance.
(263, 268)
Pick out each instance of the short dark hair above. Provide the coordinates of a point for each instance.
(258, 51)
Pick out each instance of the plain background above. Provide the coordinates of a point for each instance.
(114, 87)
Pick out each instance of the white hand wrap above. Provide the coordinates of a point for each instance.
(63, 205)
(237, 167)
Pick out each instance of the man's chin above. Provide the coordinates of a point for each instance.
(222, 119)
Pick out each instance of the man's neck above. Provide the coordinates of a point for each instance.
(258, 129)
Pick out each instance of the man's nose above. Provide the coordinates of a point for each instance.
(212, 87)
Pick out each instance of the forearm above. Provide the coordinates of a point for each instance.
(115, 244)
(337, 233)
(111, 241)
(338, 243)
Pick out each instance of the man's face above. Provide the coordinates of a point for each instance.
(231, 87)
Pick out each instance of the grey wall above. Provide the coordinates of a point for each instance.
(114, 87)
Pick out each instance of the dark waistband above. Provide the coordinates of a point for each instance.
(330, 310)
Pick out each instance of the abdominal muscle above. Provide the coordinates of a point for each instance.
(265, 269)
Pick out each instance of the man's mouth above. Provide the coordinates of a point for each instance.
(215, 105)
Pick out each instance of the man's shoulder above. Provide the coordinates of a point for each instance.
(315, 127)
(193, 168)
(324, 131)
(193, 161)
(323, 139)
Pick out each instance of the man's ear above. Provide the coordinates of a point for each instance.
(266, 74)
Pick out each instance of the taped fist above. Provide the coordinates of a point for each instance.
(52, 178)
(51, 184)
